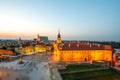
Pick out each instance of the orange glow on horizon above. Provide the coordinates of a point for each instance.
(30, 35)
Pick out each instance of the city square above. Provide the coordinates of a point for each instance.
(59, 39)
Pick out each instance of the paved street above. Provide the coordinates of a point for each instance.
(37, 70)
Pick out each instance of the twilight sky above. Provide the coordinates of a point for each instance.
(76, 19)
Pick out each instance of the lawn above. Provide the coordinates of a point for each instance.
(108, 74)
(82, 67)
(91, 73)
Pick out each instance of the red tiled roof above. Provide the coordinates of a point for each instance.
(84, 46)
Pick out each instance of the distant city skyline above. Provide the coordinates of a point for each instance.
(76, 19)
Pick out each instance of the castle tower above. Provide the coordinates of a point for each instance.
(58, 38)
(56, 56)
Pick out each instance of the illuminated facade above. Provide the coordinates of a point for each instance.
(3, 53)
(33, 46)
(82, 51)
(117, 56)
(7, 52)
(77, 51)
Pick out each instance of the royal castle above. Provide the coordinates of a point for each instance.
(76, 52)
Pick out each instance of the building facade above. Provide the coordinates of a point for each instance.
(70, 52)
(37, 45)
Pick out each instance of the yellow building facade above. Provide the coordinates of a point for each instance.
(33, 46)
(68, 52)
(85, 55)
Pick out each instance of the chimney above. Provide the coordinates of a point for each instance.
(90, 45)
(87, 43)
(69, 44)
(77, 45)
(98, 45)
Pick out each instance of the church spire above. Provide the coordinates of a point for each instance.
(59, 36)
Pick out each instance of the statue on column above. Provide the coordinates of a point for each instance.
(20, 60)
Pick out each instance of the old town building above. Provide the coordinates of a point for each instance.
(6, 54)
(36, 45)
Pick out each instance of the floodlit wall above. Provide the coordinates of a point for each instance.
(6, 52)
(83, 55)
(40, 48)
(29, 49)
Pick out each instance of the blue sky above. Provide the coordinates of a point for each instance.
(76, 19)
